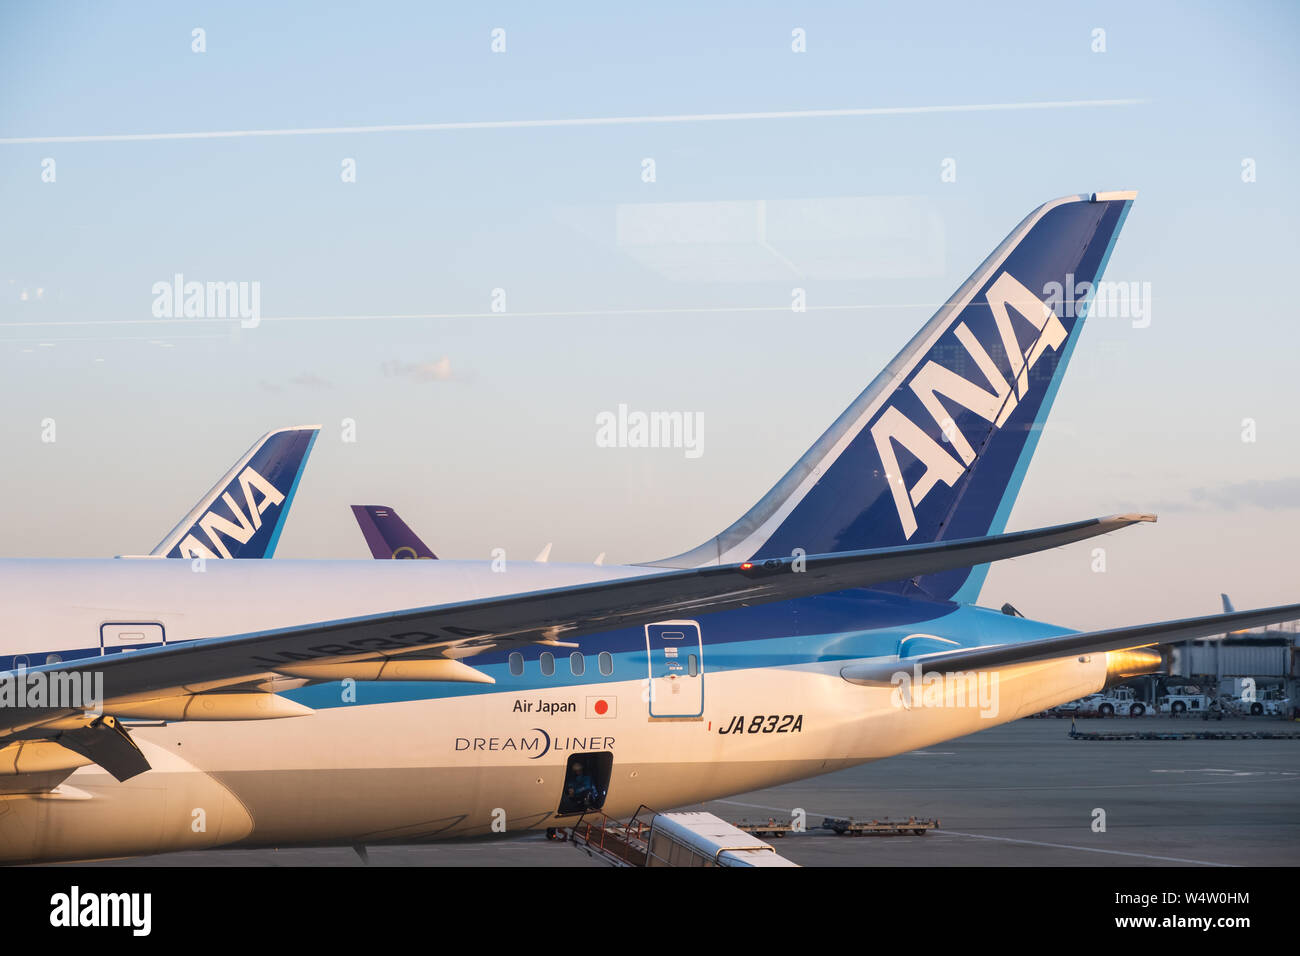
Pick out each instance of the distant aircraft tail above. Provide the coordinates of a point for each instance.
(243, 514)
(937, 445)
(1229, 609)
(387, 535)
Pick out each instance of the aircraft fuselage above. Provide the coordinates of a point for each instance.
(761, 703)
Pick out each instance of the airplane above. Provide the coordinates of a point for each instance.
(1228, 609)
(276, 461)
(255, 497)
(388, 536)
(354, 703)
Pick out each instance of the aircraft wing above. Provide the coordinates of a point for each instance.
(1090, 642)
(459, 630)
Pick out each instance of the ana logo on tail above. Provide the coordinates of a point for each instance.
(993, 406)
(214, 525)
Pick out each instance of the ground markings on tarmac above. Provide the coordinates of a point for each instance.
(1002, 839)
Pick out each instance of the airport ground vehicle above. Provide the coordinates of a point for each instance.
(1269, 703)
(1183, 700)
(1071, 708)
(684, 839)
(847, 826)
(773, 828)
(1113, 702)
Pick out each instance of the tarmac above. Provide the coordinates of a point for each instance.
(1023, 794)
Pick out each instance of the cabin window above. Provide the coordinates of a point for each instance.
(693, 665)
(548, 664)
(577, 663)
(606, 661)
(516, 664)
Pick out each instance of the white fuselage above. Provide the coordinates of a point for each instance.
(407, 762)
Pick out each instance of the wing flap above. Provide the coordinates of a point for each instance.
(106, 742)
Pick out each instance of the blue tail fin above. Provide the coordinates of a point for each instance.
(937, 446)
(387, 535)
(243, 514)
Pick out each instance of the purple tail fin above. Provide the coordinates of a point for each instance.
(387, 535)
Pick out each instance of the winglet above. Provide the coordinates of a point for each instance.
(1133, 517)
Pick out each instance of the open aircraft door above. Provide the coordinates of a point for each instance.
(676, 676)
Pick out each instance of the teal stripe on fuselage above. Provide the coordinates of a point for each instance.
(968, 626)
(835, 628)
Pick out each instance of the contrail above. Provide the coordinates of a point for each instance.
(567, 313)
(555, 123)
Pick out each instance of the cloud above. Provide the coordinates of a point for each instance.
(1269, 494)
(439, 371)
(311, 380)
(303, 379)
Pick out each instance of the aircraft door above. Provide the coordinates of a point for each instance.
(586, 782)
(118, 637)
(676, 669)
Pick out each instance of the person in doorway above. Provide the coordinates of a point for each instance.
(582, 789)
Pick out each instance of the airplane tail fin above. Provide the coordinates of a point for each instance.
(387, 535)
(937, 445)
(242, 515)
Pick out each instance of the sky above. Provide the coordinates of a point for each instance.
(380, 250)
